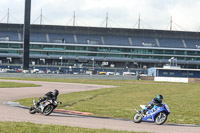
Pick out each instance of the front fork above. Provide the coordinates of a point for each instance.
(137, 110)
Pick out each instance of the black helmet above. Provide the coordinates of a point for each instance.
(159, 97)
(55, 92)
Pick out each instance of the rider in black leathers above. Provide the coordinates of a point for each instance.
(49, 96)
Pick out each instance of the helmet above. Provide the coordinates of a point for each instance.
(159, 97)
(55, 92)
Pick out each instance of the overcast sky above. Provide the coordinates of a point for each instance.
(154, 14)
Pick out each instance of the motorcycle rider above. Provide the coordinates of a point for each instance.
(49, 96)
(157, 101)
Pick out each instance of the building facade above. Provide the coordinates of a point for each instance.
(96, 47)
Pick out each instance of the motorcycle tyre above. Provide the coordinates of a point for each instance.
(156, 119)
(32, 110)
(134, 118)
(49, 112)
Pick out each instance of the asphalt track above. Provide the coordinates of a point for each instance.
(9, 113)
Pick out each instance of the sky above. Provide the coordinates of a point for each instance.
(154, 14)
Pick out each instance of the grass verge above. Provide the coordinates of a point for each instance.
(27, 127)
(15, 85)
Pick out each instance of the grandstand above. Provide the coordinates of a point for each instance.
(96, 47)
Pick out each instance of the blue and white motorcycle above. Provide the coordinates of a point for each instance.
(156, 114)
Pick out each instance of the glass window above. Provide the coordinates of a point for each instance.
(169, 52)
(80, 48)
(191, 74)
(157, 51)
(180, 52)
(115, 50)
(15, 46)
(35, 46)
(126, 50)
(3, 45)
(48, 47)
(58, 47)
(171, 73)
(191, 52)
(103, 49)
(184, 73)
(70, 47)
(165, 73)
(150, 51)
(92, 49)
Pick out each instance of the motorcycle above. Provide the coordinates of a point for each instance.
(157, 114)
(46, 107)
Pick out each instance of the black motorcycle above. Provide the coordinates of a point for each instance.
(46, 107)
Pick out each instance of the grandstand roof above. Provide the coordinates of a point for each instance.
(101, 31)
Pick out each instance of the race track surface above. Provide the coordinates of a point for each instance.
(9, 113)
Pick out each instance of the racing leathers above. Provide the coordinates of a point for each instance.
(48, 96)
(150, 105)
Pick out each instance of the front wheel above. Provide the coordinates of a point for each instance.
(32, 110)
(137, 118)
(161, 118)
(48, 109)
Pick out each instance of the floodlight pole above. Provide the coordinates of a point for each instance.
(171, 23)
(41, 18)
(106, 19)
(139, 22)
(26, 30)
(74, 19)
(8, 16)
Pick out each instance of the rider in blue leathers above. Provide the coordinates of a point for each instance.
(157, 101)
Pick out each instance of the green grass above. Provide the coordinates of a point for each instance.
(14, 85)
(120, 102)
(27, 127)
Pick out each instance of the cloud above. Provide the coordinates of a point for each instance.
(122, 13)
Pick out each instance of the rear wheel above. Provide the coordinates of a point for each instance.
(48, 109)
(32, 110)
(137, 118)
(161, 118)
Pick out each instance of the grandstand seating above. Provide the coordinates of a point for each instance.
(54, 38)
(192, 43)
(144, 41)
(13, 36)
(116, 40)
(97, 39)
(171, 42)
(89, 39)
(37, 37)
